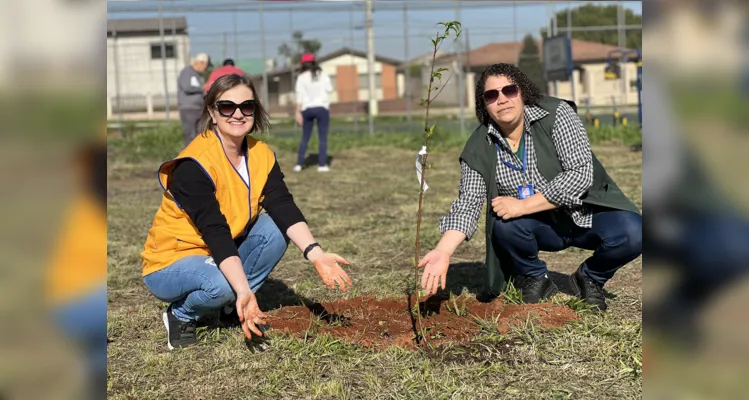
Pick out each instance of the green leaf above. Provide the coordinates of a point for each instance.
(424, 102)
(441, 69)
(431, 130)
(437, 75)
(413, 261)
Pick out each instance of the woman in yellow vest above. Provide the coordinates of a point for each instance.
(225, 219)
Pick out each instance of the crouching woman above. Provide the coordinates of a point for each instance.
(225, 219)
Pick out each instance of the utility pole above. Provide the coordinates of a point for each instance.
(554, 33)
(355, 78)
(262, 54)
(468, 53)
(370, 67)
(176, 49)
(623, 58)
(408, 67)
(163, 62)
(461, 77)
(225, 52)
(117, 87)
(514, 22)
(236, 36)
(569, 35)
(549, 85)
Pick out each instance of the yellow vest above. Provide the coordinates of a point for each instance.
(79, 263)
(173, 235)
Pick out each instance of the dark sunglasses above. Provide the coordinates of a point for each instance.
(510, 91)
(227, 108)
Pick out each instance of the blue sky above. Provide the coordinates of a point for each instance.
(214, 32)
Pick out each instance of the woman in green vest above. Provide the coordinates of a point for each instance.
(531, 162)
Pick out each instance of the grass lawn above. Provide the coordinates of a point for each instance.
(365, 210)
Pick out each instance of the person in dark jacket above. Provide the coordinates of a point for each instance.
(190, 95)
(225, 219)
(530, 160)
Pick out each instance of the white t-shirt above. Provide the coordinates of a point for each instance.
(242, 169)
(313, 92)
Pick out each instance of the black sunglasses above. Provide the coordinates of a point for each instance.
(510, 91)
(227, 108)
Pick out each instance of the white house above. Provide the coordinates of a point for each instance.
(590, 61)
(135, 69)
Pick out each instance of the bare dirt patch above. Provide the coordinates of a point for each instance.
(381, 323)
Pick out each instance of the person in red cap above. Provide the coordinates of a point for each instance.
(312, 104)
(227, 69)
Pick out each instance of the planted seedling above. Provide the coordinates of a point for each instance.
(434, 88)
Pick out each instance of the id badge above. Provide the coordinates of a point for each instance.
(525, 191)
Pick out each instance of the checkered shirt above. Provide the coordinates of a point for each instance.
(564, 191)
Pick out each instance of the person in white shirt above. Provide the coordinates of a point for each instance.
(312, 97)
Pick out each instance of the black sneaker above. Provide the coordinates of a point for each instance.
(228, 317)
(180, 334)
(533, 289)
(588, 290)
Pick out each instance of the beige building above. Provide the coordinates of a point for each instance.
(135, 69)
(348, 71)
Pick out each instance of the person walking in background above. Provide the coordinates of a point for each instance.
(312, 104)
(228, 68)
(190, 95)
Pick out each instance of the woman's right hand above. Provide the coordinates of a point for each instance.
(249, 314)
(436, 263)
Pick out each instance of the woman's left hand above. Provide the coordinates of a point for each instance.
(299, 119)
(330, 272)
(508, 207)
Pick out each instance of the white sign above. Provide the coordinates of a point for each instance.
(419, 158)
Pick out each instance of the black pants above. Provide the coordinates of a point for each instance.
(322, 116)
(616, 238)
(189, 118)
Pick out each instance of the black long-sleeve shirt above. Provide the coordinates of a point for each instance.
(193, 190)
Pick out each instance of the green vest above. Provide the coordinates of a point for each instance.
(481, 155)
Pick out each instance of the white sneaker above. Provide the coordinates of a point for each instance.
(324, 168)
(297, 168)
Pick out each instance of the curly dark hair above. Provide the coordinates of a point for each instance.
(528, 90)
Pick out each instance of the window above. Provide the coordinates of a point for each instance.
(364, 81)
(156, 50)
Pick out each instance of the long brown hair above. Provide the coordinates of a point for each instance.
(219, 87)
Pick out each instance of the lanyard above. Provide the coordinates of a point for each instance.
(523, 159)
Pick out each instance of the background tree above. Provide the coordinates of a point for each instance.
(530, 62)
(293, 52)
(598, 15)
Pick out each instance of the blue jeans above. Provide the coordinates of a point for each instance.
(615, 237)
(195, 286)
(84, 321)
(322, 115)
